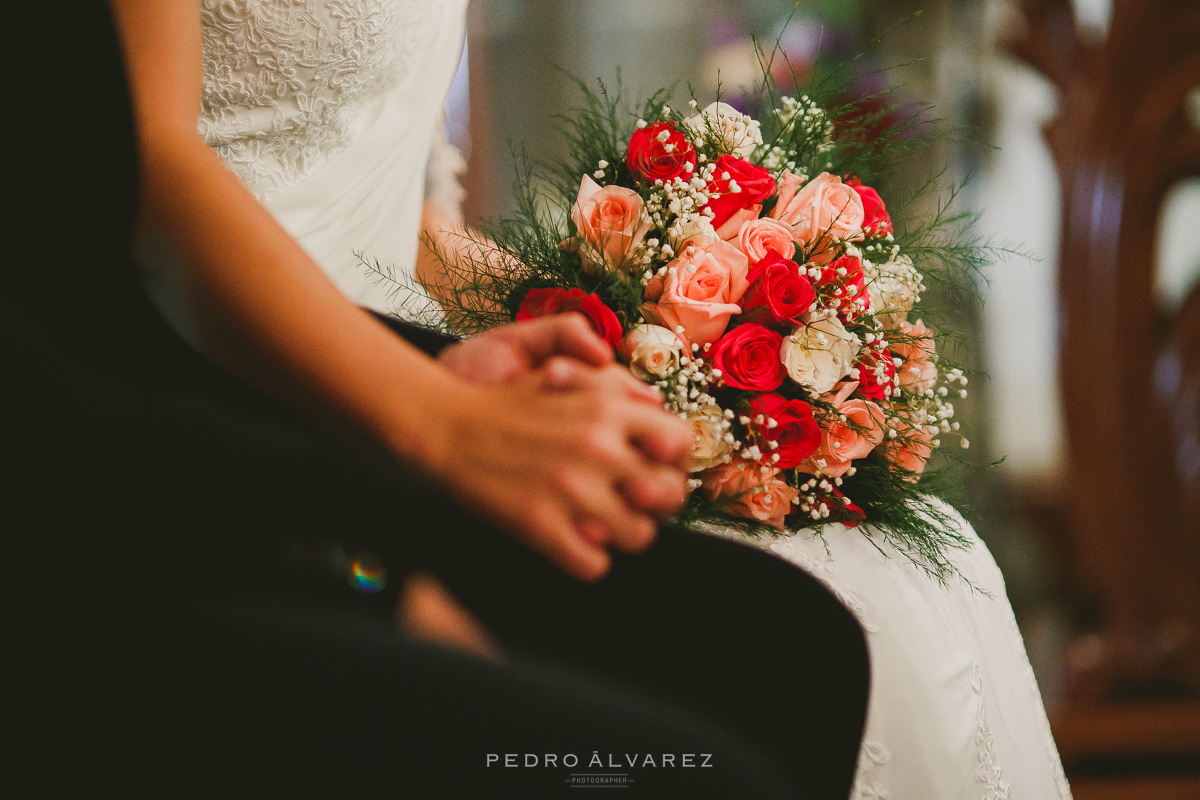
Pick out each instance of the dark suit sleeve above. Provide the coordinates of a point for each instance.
(431, 341)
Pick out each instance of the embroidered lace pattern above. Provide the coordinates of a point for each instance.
(871, 756)
(284, 78)
(987, 774)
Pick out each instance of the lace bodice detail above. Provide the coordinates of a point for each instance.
(286, 81)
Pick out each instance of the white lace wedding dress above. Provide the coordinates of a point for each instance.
(330, 112)
(954, 711)
(329, 109)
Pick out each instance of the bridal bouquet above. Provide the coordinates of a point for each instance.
(754, 271)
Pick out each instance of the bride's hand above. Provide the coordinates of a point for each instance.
(563, 346)
(556, 455)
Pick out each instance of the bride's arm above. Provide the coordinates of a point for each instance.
(259, 305)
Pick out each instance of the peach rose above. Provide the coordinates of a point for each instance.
(611, 221)
(842, 442)
(918, 372)
(699, 291)
(758, 237)
(823, 211)
(730, 227)
(651, 351)
(912, 450)
(743, 490)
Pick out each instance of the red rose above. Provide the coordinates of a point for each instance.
(849, 291)
(876, 221)
(653, 156)
(843, 511)
(748, 357)
(779, 294)
(869, 383)
(754, 182)
(796, 433)
(548, 302)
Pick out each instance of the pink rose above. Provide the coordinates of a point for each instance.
(743, 490)
(729, 228)
(821, 213)
(699, 291)
(917, 372)
(611, 221)
(842, 442)
(757, 237)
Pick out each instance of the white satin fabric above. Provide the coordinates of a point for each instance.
(328, 110)
(955, 712)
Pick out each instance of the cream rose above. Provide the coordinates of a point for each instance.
(709, 445)
(699, 292)
(824, 210)
(734, 132)
(744, 490)
(651, 351)
(611, 221)
(893, 289)
(821, 353)
(761, 236)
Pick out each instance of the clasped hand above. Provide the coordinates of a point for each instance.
(559, 445)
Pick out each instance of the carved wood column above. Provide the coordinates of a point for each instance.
(1130, 373)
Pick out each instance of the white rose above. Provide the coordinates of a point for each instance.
(893, 288)
(738, 133)
(709, 445)
(691, 229)
(821, 353)
(651, 351)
